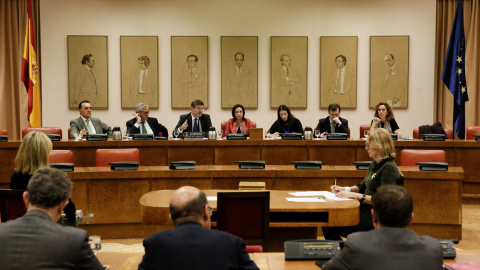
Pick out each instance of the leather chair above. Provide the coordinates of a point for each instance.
(409, 157)
(68, 134)
(448, 131)
(104, 156)
(362, 130)
(46, 130)
(475, 130)
(245, 214)
(11, 204)
(60, 156)
(3, 132)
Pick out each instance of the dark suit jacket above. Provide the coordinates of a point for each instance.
(78, 124)
(190, 246)
(35, 242)
(205, 122)
(296, 127)
(152, 122)
(324, 125)
(388, 248)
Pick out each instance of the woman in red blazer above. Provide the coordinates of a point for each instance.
(238, 124)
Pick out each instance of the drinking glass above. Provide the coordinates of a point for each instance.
(317, 133)
(267, 134)
(365, 133)
(175, 133)
(127, 134)
(77, 136)
(220, 134)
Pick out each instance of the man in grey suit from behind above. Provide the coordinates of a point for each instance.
(390, 245)
(88, 124)
(36, 241)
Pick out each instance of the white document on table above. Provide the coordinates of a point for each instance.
(316, 199)
(327, 194)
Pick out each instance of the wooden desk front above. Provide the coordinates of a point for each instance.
(112, 196)
(275, 152)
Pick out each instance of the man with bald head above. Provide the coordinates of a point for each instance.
(192, 245)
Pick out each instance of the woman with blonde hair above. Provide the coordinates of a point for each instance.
(33, 155)
(382, 171)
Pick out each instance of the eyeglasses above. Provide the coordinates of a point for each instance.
(200, 109)
(210, 210)
(145, 112)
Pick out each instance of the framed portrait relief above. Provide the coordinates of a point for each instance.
(87, 71)
(139, 69)
(338, 71)
(389, 70)
(239, 72)
(189, 70)
(289, 71)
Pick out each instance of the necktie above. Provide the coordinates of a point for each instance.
(287, 73)
(332, 127)
(195, 125)
(144, 129)
(87, 121)
(339, 81)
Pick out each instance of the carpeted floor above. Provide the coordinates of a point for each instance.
(470, 231)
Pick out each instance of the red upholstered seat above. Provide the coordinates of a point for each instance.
(475, 130)
(60, 156)
(254, 248)
(104, 156)
(46, 130)
(409, 157)
(448, 131)
(11, 204)
(362, 130)
(3, 132)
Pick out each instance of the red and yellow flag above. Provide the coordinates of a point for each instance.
(30, 74)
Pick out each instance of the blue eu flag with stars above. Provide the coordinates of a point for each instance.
(454, 71)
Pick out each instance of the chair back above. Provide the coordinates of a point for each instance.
(245, 214)
(105, 156)
(69, 135)
(475, 130)
(223, 125)
(449, 132)
(46, 130)
(11, 204)
(348, 135)
(60, 156)
(409, 157)
(362, 130)
(3, 132)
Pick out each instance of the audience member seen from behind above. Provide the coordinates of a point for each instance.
(36, 241)
(286, 122)
(382, 171)
(191, 244)
(390, 245)
(384, 119)
(238, 124)
(32, 156)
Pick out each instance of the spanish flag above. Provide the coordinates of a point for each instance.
(30, 74)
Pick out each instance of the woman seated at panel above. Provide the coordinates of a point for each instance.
(33, 155)
(382, 171)
(384, 119)
(286, 122)
(238, 124)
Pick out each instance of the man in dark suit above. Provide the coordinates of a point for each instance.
(339, 125)
(36, 241)
(390, 245)
(144, 124)
(88, 124)
(192, 245)
(196, 120)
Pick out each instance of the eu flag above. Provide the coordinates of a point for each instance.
(454, 71)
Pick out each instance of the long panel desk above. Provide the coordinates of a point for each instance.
(264, 261)
(288, 220)
(465, 154)
(113, 196)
